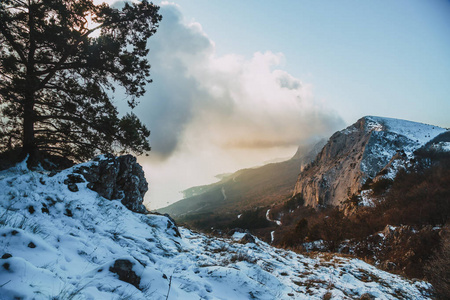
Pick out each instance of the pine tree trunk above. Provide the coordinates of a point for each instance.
(29, 144)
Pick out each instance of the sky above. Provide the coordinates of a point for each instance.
(240, 83)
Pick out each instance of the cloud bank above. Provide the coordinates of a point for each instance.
(211, 114)
(228, 101)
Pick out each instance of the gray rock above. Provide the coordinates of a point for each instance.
(171, 224)
(118, 178)
(247, 238)
(72, 187)
(124, 268)
(72, 180)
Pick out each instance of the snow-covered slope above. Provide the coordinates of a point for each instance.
(58, 244)
(416, 132)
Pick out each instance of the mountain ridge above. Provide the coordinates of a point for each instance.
(359, 152)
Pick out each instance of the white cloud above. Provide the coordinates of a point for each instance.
(242, 101)
(222, 112)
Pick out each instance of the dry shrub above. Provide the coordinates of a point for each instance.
(381, 186)
(419, 198)
(295, 236)
(438, 268)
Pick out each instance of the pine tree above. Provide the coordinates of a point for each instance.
(60, 61)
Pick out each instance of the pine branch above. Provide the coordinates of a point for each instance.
(11, 41)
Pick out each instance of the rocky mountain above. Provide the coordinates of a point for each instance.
(399, 223)
(245, 189)
(62, 239)
(359, 153)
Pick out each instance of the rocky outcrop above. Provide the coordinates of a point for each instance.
(116, 178)
(357, 153)
(124, 269)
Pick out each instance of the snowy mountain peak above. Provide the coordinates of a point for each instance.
(417, 132)
(56, 243)
(357, 153)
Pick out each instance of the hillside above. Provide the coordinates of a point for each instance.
(358, 153)
(244, 189)
(398, 223)
(61, 243)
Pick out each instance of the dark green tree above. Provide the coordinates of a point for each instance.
(60, 61)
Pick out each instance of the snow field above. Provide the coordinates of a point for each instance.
(58, 244)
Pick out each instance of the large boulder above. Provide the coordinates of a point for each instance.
(117, 178)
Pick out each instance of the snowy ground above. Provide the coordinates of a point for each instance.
(56, 244)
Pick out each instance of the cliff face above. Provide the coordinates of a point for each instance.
(357, 153)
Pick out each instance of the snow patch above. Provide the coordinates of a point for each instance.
(366, 200)
(270, 220)
(442, 146)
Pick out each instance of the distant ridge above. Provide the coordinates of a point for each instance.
(247, 188)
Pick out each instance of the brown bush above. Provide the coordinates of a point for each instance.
(438, 268)
(381, 186)
(295, 236)
(419, 198)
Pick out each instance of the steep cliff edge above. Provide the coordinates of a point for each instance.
(357, 153)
